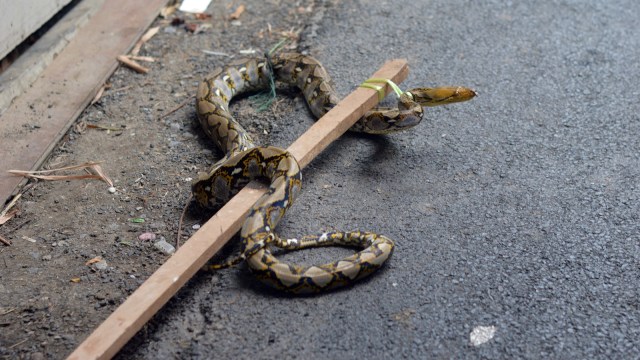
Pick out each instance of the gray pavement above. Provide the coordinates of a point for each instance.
(516, 212)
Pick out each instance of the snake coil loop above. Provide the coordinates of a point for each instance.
(244, 162)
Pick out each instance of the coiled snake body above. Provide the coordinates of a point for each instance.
(243, 162)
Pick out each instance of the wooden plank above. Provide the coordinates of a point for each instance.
(38, 119)
(19, 19)
(130, 316)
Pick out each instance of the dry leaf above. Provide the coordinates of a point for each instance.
(236, 14)
(197, 28)
(203, 16)
(168, 10)
(10, 204)
(6, 217)
(94, 260)
(75, 280)
(202, 28)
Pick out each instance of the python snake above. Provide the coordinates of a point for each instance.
(244, 162)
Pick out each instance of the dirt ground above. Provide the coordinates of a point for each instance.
(50, 297)
(515, 215)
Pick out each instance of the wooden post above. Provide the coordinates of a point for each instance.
(128, 318)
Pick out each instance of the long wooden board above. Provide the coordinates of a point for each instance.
(37, 120)
(130, 316)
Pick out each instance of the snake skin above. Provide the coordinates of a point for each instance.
(244, 162)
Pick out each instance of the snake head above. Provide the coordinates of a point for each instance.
(441, 95)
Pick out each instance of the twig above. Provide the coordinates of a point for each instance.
(141, 58)
(148, 35)
(132, 64)
(185, 102)
(72, 167)
(98, 94)
(5, 241)
(102, 127)
(8, 311)
(95, 166)
(9, 216)
(10, 205)
(18, 343)
(122, 88)
(29, 239)
(56, 177)
(18, 226)
(216, 53)
(184, 211)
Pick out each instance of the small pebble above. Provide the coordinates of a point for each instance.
(481, 334)
(46, 257)
(196, 226)
(101, 265)
(63, 243)
(157, 225)
(148, 236)
(165, 247)
(112, 189)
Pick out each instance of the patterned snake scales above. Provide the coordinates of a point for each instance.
(243, 162)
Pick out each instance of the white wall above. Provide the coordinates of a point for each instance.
(20, 18)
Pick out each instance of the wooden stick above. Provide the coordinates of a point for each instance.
(128, 318)
(132, 64)
(5, 241)
(146, 37)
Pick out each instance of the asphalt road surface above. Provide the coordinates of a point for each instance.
(515, 215)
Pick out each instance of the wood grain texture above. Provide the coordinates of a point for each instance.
(140, 306)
